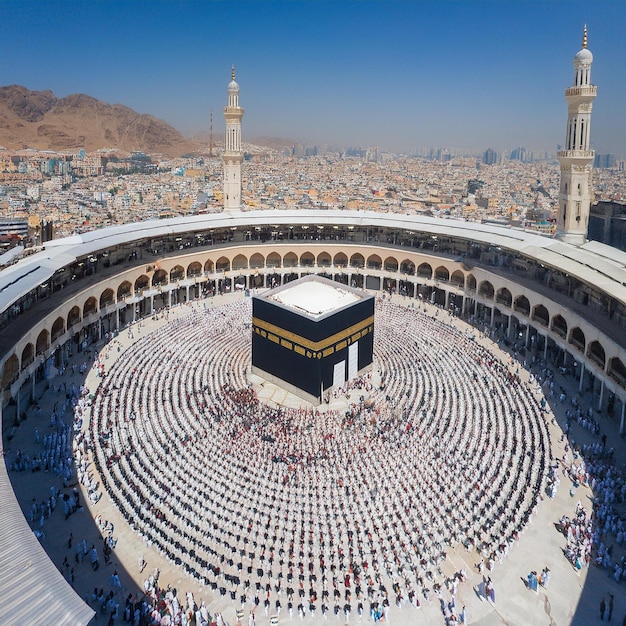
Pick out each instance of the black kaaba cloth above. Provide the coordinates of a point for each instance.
(311, 334)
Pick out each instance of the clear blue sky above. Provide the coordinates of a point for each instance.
(395, 74)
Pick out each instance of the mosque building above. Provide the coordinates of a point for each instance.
(562, 296)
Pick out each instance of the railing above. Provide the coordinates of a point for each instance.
(588, 90)
(579, 345)
(592, 356)
(617, 377)
(581, 154)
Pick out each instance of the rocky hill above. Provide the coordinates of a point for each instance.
(38, 119)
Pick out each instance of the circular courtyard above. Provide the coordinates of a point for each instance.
(440, 454)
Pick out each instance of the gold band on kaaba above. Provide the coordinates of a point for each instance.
(354, 333)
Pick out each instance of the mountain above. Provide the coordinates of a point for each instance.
(40, 120)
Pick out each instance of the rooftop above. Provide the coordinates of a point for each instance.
(314, 296)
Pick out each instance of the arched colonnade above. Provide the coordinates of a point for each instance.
(519, 314)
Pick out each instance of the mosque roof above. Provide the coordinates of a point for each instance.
(32, 588)
(592, 263)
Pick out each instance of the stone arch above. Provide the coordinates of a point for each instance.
(596, 353)
(486, 290)
(143, 282)
(90, 306)
(194, 269)
(442, 273)
(177, 273)
(357, 260)
(209, 266)
(617, 371)
(73, 317)
(471, 282)
(273, 260)
(10, 370)
(222, 264)
(577, 338)
(541, 314)
(324, 259)
(58, 328)
(290, 260)
(340, 260)
(522, 305)
(307, 259)
(257, 261)
(559, 325)
(43, 341)
(106, 298)
(458, 279)
(504, 296)
(425, 270)
(124, 290)
(407, 267)
(28, 355)
(374, 262)
(240, 262)
(391, 264)
(159, 278)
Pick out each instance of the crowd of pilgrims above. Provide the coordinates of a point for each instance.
(314, 511)
(604, 530)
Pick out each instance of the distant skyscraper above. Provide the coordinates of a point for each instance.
(604, 161)
(518, 154)
(490, 157)
(577, 159)
(233, 152)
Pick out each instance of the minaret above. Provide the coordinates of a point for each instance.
(577, 159)
(233, 154)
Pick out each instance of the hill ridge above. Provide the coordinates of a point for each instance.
(40, 120)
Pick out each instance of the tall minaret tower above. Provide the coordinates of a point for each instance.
(233, 154)
(577, 159)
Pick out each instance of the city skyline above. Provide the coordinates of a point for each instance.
(397, 75)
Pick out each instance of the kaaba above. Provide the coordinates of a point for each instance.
(312, 334)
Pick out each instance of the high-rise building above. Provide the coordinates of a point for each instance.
(233, 152)
(604, 161)
(490, 156)
(519, 154)
(577, 159)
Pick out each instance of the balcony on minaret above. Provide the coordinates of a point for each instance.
(233, 111)
(578, 154)
(585, 90)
